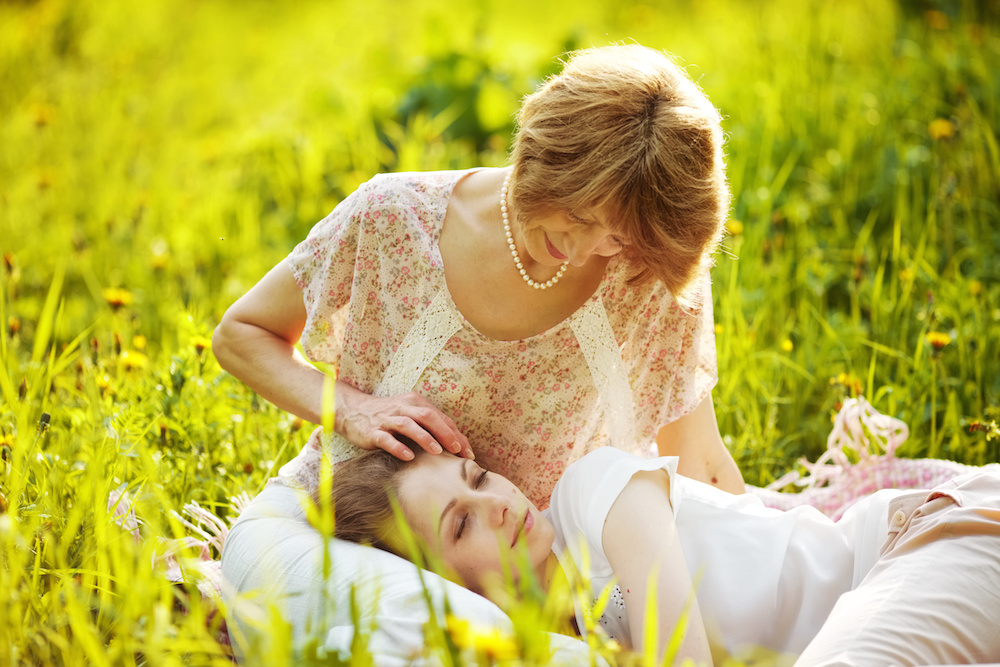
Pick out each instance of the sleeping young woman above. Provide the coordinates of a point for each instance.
(903, 578)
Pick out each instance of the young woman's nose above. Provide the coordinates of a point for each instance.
(495, 507)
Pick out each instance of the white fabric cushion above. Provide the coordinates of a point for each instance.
(273, 561)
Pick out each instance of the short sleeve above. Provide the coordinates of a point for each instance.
(323, 267)
(583, 497)
(670, 352)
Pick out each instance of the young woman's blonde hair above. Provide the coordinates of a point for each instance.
(625, 127)
(362, 494)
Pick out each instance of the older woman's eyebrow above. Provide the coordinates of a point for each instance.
(463, 472)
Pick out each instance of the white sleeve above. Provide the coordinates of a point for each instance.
(583, 497)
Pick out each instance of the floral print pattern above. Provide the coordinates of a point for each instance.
(529, 407)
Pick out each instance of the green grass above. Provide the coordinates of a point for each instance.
(177, 151)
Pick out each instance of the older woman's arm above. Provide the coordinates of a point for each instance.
(255, 341)
(703, 456)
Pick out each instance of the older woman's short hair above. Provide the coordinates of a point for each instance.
(626, 128)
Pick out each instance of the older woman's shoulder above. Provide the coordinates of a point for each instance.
(414, 184)
(414, 199)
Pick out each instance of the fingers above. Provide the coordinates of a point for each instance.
(394, 446)
(399, 424)
(401, 443)
(411, 435)
(441, 429)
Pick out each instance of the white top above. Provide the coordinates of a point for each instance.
(274, 560)
(627, 362)
(767, 579)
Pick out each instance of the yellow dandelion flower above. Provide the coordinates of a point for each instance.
(937, 339)
(975, 288)
(906, 275)
(495, 644)
(489, 642)
(134, 360)
(718, 329)
(159, 261)
(201, 343)
(139, 342)
(787, 345)
(117, 297)
(42, 114)
(848, 381)
(459, 630)
(160, 255)
(734, 227)
(104, 385)
(941, 128)
(46, 176)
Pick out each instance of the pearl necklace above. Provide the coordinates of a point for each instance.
(513, 248)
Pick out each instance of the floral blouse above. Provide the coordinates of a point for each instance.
(626, 363)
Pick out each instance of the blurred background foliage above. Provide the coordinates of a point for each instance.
(157, 158)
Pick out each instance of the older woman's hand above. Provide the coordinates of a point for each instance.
(375, 422)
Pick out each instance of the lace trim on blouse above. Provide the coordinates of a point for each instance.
(597, 342)
(440, 321)
(421, 345)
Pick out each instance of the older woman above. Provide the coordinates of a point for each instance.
(563, 301)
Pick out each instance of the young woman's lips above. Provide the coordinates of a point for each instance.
(529, 521)
(553, 250)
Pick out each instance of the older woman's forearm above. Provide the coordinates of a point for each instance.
(255, 341)
(270, 366)
(695, 439)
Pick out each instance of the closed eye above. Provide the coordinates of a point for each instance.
(479, 481)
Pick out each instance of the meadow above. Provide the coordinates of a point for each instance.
(157, 158)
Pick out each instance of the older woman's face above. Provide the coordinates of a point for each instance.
(577, 236)
(477, 520)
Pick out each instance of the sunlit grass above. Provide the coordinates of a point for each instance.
(155, 162)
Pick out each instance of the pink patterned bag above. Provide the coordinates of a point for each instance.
(835, 482)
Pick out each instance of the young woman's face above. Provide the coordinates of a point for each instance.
(477, 520)
(576, 236)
